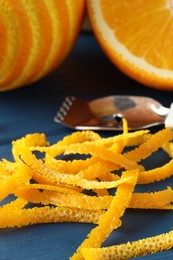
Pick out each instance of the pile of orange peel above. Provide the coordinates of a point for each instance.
(56, 187)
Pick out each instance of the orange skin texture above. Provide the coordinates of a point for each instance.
(3, 41)
(25, 36)
(35, 33)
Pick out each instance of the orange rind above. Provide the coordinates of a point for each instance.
(41, 173)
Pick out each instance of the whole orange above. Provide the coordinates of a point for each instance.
(35, 37)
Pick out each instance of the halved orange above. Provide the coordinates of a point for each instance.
(137, 36)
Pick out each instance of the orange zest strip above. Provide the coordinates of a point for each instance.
(132, 138)
(8, 166)
(58, 188)
(81, 167)
(168, 147)
(109, 221)
(129, 250)
(146, 149)
(156, 174)
(11, 183)
(28, 140)
(72, 200)
(125, 125)
(119, 146)
(104, 153)
(68, 198)
(139, 139)
(101, 169)
(13, 217)
(61, 178)
(72, 167)
(151, 200)
(32, 140)
(74, 138)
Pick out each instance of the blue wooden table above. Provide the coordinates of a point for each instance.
(88, 74)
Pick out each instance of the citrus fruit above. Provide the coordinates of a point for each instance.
(35, 37)
(137, 36)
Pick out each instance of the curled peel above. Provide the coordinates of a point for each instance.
(59, 185)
